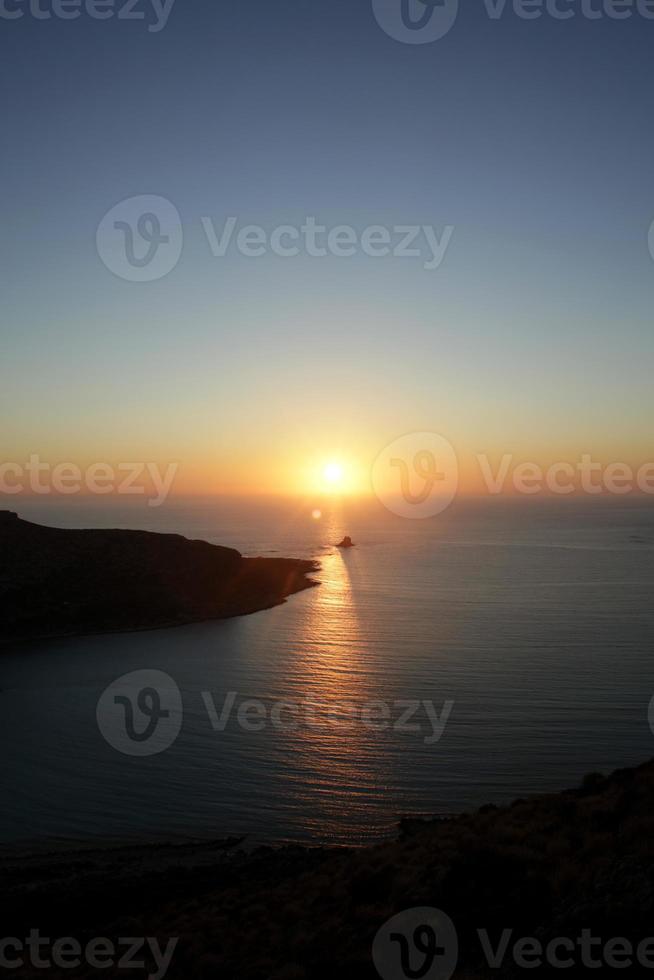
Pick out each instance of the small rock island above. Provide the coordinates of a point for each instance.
(56, 582)
(347, 542)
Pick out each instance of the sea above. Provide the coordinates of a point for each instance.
(500, 649)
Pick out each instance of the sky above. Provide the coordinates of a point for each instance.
(530, 140)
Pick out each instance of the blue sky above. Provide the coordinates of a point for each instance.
(533, 139)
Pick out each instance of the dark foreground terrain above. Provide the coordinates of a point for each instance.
(56, 582)
(547, 867)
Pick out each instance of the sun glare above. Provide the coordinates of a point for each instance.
(330, 475)
(333, 473)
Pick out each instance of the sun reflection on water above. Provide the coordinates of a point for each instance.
(330, 751)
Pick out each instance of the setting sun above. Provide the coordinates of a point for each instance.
(330, 474)
(333, 473)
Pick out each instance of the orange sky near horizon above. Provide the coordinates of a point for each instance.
(344, 468)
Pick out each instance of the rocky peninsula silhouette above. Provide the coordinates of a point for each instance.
(56, 582)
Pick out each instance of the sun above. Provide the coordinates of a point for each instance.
(333, 473)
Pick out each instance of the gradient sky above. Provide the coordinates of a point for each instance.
(534, 139)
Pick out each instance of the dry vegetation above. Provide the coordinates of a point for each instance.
(547, 866)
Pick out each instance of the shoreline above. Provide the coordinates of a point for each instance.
(6, 645)
(405, 826)
(545, 865)
(58, 583)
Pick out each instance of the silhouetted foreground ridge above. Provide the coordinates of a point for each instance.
(547, 867)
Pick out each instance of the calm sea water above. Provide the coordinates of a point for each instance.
(534, 618)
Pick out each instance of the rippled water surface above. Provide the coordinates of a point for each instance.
(533, 620)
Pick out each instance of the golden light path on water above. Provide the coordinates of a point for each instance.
(333, 758)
